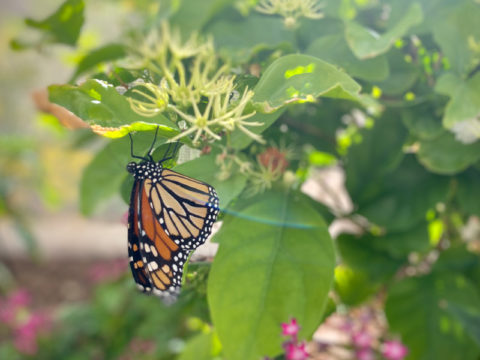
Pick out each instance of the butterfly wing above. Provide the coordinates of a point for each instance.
(161, 257)
(135, 258)
(185, 208)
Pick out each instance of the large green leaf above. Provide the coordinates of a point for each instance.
(102, 107)
(468, 191)
(245, 37)
(457, 259)
(62, 27)
(445, 155)
(192, 15)
(422, 121)
(379, 153)
(334, 49)
(469, 318)
(419, 309)
(205, 169)
(403, 74)
(407, 194)
(464, 104)
(459, 28)
(300, 78)
(401, 244)
(358, 253)
(366, 43)
(275, 262)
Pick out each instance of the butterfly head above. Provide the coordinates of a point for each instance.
(144, 169)
(131, 167)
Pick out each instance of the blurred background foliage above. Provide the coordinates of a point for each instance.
(385, 92)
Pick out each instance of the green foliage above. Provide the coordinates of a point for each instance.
(420, 308)
(100, 105)
(62, 27)
(365, 43)
(103, 54)
(386, 90)
(281, 243)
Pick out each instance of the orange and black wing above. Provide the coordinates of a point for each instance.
(161, 257)
(185, 208)
(135, 258)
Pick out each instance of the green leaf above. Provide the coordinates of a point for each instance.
(465, 99)
(297, 79)
(359, 254)
(379, 153)
(192, 15)
(103, 54)
(445, 155)
(205, 169)
(403, 74)
(246, 37)
(108, 112)
(401, 244)
(406, 196)
(275, 262)
(201, 347)
(459, 28)
(353, 286)
(457, 259)
(309, 30)
(468, 191)
(422, 121)
(302, 78)
(64, 25)
(419, 310)
(366, 43)
(105, 174)
(334, 49)
(469, 318)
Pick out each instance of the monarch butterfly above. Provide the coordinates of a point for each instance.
(170, 215)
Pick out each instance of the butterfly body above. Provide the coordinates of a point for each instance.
(170, 215)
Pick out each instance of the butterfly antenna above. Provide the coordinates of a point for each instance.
(166, 157)
(153, 144)
(131, 149)
(175, 149)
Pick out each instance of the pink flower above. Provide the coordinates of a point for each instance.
(8, 307)
(394, 350)
(291, 328)
(19, 298)
(295, 351)
(362, 339)
(365, 354)
(107, 271)
(27, 333)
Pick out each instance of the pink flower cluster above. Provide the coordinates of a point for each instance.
(366, 342)
(293, 349)
(108, 270)
(364, 345)
(23, 325)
